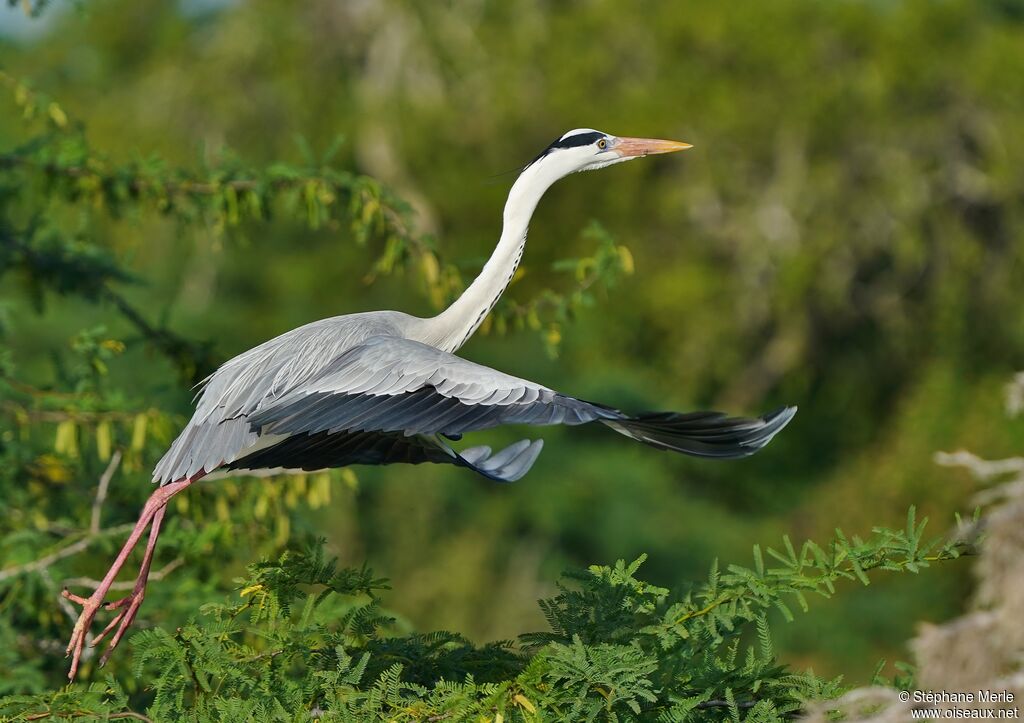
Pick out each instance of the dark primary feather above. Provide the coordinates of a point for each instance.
(325, 450)
(705, 434)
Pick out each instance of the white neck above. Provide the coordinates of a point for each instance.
(450, 329)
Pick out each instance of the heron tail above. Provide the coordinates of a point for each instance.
(704, 434)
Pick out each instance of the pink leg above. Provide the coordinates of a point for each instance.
(156, 503)
(129, 605)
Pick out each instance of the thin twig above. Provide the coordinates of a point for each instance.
(67, 551)
(268, 654)
(94, 532)
(182, 187)
(126, 584)
(101, 492)
(90, 714)
(53, 415)
(980, 469)
(717, 703)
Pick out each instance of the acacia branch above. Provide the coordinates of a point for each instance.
(101, 491)
(90, 714)
(719, 703)
(127, 584)
(855, 560)
(54, 416)
(74, 548)
(92, 280)
(94, 532)
(981, 469)
(139, 184)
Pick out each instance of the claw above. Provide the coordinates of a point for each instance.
(90, 607)
(127, 617)
(129, 608)
(120, 603)
(68, 595)
(110, 626)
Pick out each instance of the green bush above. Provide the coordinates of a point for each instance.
(304, 639)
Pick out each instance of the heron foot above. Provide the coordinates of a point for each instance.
(90, 606)
(152, 516)
(129, 607)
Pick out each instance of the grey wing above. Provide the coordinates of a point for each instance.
(219, 431)
(390, 384)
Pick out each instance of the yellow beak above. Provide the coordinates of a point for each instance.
(633, 147)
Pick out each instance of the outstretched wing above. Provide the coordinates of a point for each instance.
(391, 384)
(387, 398)
(219, 430)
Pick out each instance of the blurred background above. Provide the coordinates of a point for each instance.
(845, 235)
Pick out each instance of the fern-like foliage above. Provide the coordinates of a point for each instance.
(303, 639)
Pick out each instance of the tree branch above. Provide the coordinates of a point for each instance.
(101, 491)
(127, 584)
(90, 714)
(88, 276)
(74, 548)
(95, 532)
(981, 469)
(719, 703)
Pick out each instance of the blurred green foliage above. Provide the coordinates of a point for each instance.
(845, 236)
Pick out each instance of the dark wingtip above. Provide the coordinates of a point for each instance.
(706, 434)
(774, 422)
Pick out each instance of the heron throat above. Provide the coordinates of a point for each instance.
(450, 329)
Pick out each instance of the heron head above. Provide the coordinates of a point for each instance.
(585, 149)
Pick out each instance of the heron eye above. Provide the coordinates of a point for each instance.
(602, 144)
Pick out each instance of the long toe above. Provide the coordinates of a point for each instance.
(110, 626)
(78, 636)
(126, 621)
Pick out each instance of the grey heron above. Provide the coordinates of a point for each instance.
(385, 387)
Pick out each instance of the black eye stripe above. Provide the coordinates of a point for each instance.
(580, 139)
